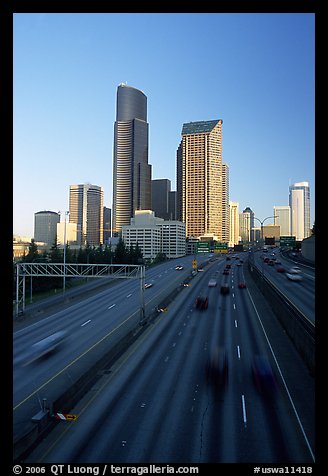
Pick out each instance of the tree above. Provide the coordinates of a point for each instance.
(108, 254)
(121, 253)
(136, 256)
(32, 254)
(56, 255)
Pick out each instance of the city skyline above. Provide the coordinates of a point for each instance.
(260, 82)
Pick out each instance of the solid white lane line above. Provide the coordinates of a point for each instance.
(283, 381)
(244, 409)
(85, 323)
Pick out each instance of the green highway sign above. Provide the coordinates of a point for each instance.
(220, 247)
(287, 240)
(203, 247)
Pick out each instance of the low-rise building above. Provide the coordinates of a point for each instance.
(155, 235)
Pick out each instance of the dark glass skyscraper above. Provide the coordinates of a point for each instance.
(132, 173)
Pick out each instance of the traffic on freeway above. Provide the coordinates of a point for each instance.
(296, 281)
(219, 383)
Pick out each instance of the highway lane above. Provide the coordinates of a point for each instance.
(156, 404)
(91, 324)
(301, 294)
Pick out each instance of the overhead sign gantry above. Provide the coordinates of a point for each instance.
(81, 270)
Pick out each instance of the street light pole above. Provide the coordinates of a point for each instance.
(262, 221)
(64, 273)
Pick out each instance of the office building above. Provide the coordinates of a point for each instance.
(131, 171)
(155, 235)
(225, 204)
(173, 205)
(271, 231)
(246, 225)
(107, 224)
(66, 233)
(86, 211)
(299, 202)
(202, 194)
(282, 217)
(233, 223)
(45, 227)
(160, 190)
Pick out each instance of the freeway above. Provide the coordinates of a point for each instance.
(91, 325)
(163, 401)
(301, 294)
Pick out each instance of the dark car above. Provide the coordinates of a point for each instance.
(263, 375)
(225, 289)
(201, 302)
(217, 367)
(242, 285)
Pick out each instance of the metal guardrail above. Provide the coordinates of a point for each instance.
(299, 328)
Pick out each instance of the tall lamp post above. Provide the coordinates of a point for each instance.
(64, 275)
(262, 221)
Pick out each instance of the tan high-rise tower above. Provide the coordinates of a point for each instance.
(86, 210)
(202, 181)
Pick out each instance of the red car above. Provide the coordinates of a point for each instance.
(201, 302)
(242, 285)
(280, 269)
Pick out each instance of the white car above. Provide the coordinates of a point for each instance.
(212, 283)
(295, 270)
(294, 274)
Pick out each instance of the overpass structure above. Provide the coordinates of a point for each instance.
(81, 270)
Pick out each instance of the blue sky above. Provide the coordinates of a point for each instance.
(254, 71)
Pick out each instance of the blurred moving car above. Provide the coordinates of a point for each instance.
(280, 269)
(295, 270)
(41, 348)
(212, 283)
(225, 289)
(179, 268)
(217, 369)
(294, 274)
(263, 375)
(148, 285)
(242, 285)
(201, 302)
